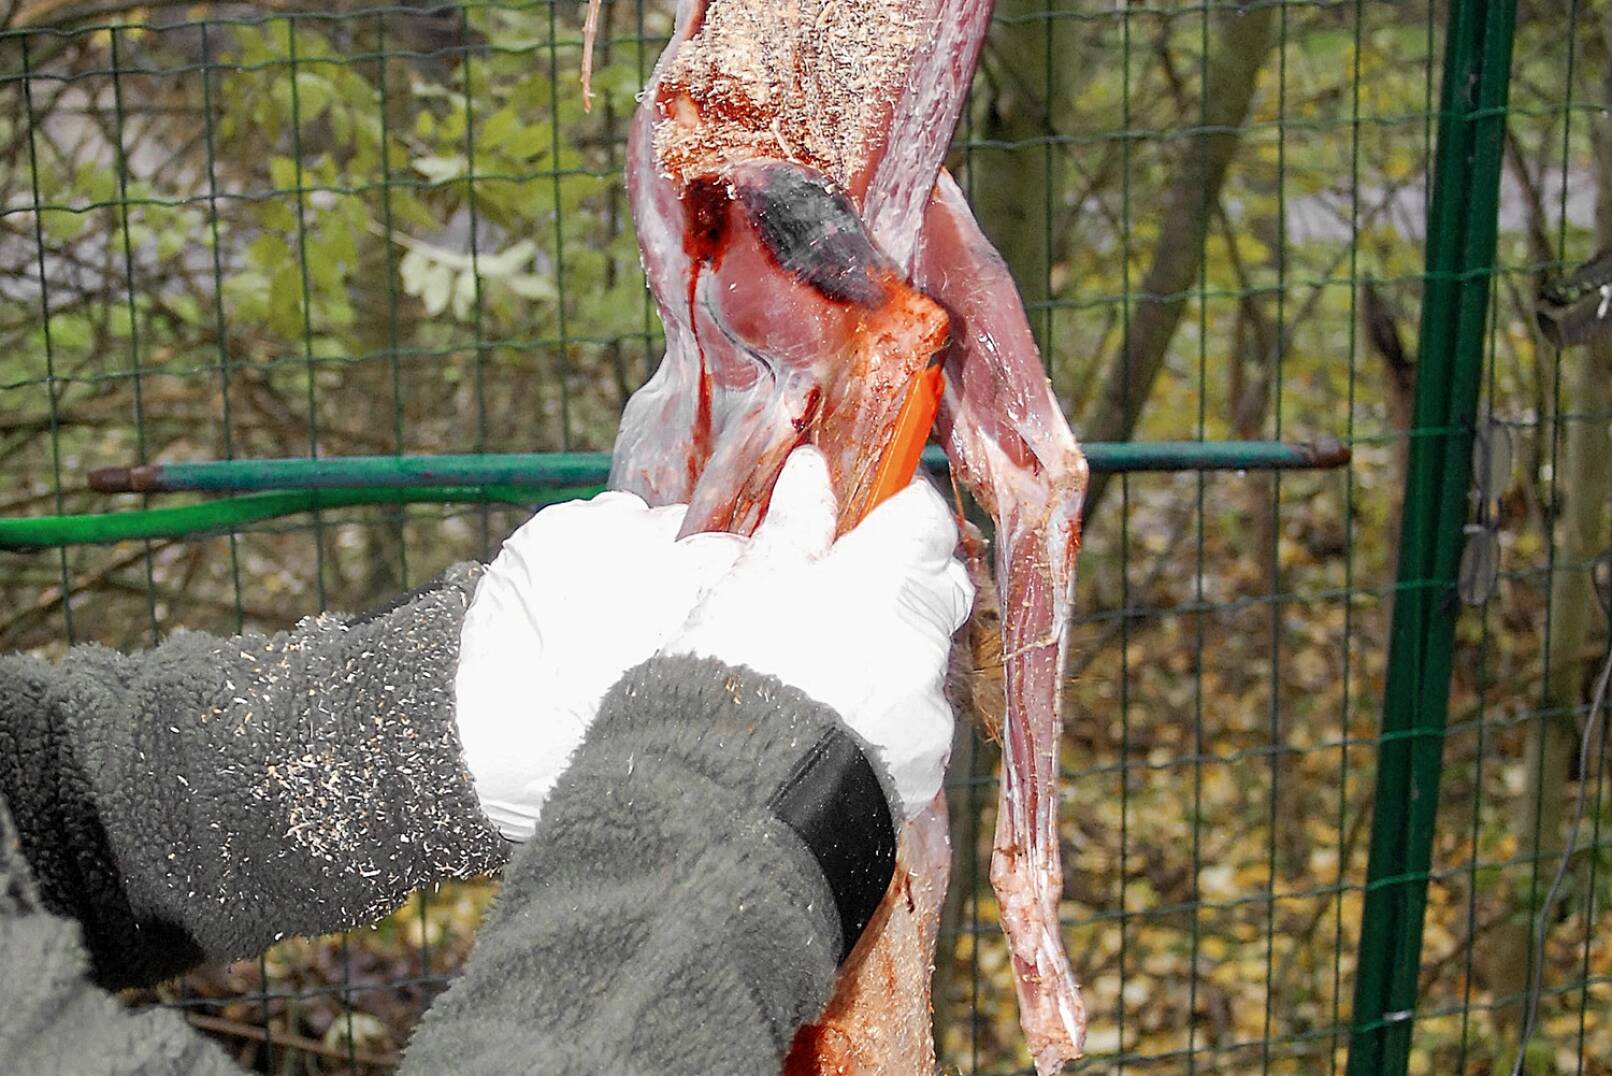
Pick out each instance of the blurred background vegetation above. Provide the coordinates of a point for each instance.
(258, 230)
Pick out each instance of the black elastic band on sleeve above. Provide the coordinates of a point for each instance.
(834, 801)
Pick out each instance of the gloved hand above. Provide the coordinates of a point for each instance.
(577, 596)
(863, 624)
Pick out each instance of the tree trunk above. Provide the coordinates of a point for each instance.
(1381, 329)
(1243, 42)
(1014, 182)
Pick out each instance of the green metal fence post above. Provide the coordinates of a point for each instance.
(1461, 230)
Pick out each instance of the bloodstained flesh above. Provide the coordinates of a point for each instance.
(808, 258)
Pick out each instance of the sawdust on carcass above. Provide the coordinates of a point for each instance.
(810, 81)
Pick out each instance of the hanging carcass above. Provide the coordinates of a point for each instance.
(814, 269)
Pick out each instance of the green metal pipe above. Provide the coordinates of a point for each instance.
(526, 470)
(40, 532)
(1459, 265)
(560, 469)
(301, 485)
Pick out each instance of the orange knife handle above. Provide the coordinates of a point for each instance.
(913, 422)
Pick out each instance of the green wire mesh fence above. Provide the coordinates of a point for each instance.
(245, 232)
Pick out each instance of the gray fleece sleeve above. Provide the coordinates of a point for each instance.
(54, 1020)
(202, 799)
(678, 910)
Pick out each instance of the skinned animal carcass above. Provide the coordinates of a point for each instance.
(811, 261)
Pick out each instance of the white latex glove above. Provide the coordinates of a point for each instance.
(577, 596)
(863, 624)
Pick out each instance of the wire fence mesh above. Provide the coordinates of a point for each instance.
(244, 230)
